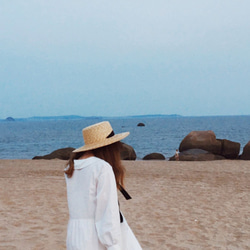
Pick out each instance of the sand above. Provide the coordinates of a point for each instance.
(175, 205)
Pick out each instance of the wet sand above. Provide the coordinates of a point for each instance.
(175, 205)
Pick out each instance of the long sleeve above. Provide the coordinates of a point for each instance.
(107, 218)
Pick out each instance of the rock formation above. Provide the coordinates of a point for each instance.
(229, 149)
(62, 154)
(140, 124)
(203, 145)
(197, 155)
(246, 152)
(154, 156)
(127, 152)
(205, 140)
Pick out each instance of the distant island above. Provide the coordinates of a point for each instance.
(63, 117)
(156, 116)
(78, 117)
(10, 119)
(75, 117)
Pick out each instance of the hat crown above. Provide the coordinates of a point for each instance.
(96, 133)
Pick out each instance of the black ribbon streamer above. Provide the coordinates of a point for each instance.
(125, 193)
(121, 218)
(127, 197)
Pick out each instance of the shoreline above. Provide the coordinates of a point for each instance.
(175, 205)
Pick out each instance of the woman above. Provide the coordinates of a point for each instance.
(93, 175)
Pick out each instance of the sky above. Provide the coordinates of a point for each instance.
(118, 58)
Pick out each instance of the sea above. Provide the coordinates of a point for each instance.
(37, 136)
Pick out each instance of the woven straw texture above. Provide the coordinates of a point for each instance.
(95, 136)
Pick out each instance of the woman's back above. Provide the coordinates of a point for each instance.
(81, 188)
(93, 205)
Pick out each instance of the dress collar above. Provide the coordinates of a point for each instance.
(83, 163)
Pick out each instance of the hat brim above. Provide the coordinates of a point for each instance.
(107, 141)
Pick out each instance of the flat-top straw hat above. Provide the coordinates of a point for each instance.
(99, 135)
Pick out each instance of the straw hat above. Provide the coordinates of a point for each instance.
(99, 135)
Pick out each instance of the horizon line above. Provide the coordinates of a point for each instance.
(121, 116)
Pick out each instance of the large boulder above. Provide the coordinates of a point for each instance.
(246, 152)
(127, 152)
(197, 155)
(154, 156)
(62, 154)
(229, 149)
(205, 140)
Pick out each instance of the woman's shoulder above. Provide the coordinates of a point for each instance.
(92, 165)
(102, 166)
(102, 163)
(92, 161)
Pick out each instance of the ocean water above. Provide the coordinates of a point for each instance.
(24, 139)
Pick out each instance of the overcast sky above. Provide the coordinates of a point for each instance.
(115, 58)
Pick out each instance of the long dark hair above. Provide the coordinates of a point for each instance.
(110, 154)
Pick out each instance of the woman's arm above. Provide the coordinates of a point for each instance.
(107, 218)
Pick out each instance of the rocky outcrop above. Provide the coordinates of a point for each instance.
(205, 140)
(197, 155)
(229, 149)
(62, 154)
(154, 156)
(203, 145)
(246, 152)
(127, 152)
(140, 124)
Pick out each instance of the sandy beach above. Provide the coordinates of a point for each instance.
(175, 205)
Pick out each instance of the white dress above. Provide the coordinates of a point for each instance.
(94, 219)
